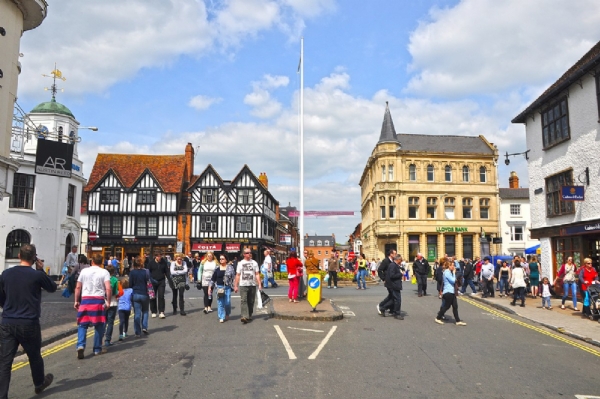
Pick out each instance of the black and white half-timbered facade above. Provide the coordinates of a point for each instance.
(133, 204)
(231, 215)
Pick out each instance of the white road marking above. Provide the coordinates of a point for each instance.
(587, 397)
(343, 307)
(305, 329)
(322, 344)
(286, 344)
(348, 313)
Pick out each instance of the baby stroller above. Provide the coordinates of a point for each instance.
(593, 293)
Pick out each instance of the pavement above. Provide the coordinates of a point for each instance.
(58, 315)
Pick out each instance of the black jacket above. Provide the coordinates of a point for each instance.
(393, 277)
(382, 269)
(421, 266)
(469, 272)
(158, 271)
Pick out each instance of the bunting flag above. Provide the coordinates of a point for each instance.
(295, 214)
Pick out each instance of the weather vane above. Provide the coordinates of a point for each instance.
(55, 74)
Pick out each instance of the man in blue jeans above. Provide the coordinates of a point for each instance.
(92, 295)
(21, 297)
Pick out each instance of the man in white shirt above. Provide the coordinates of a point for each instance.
(247, 278)
(267, 270)
(72, 257)
(92, 294)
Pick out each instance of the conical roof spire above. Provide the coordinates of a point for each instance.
(388, 133)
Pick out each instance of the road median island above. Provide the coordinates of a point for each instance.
(283, 309)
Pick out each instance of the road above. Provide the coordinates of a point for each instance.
(364, 355)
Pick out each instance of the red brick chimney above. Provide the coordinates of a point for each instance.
(189, 162)
(513, 180)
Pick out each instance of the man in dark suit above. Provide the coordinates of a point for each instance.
(421, 270)
(382, 273)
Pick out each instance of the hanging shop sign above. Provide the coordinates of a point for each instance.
(572, 193)
(285, 239)
(53, 158)
(232, 247)
(586, 228)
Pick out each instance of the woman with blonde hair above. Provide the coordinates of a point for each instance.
(205, 272)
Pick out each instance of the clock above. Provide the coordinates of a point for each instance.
(42, 132)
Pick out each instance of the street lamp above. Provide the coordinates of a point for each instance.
(507, 161)
(92, 128)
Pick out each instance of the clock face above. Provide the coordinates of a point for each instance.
(42, 131)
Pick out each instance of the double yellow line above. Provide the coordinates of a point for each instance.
(568, 341)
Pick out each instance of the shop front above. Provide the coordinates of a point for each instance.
(131, 248)
(233, 250)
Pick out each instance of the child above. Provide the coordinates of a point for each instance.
(111, 312)
(124, 308)
(546, 293)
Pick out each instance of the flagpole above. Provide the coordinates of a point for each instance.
(301, 220)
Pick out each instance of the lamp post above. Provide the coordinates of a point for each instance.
(184, 222)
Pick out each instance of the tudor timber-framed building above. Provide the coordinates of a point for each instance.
(431, 194)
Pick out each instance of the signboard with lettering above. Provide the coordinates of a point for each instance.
(285, 239)
(572, 193)
(587, 228)
(451, 229)
(54, 158)
(204, 247)
(232, 247)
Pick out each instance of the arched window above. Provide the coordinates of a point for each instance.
(326, 243)
(429, 172)
(69, 244)
(412, 172)
(465, 173)
(60, 134)
(14, 241)
(311, 243)
(482, 174)
(319, 243)
(448, 173)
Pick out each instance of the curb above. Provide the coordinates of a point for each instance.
(561, 330)
(338, 315)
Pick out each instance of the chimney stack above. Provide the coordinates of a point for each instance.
(189, 162)
(264, 180)
(513, 180)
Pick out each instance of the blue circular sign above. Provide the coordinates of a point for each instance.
(314, 282)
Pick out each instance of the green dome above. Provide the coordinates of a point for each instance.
(52, 107)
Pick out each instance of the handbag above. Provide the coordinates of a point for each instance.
(150, 288)
(220, 292)
(413, 280)
(265, 298)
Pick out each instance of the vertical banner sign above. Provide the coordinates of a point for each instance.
(53, 158)
(314, 290)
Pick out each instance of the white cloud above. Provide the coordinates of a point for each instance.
(202, 103)
(485, 46)
(98, 44)
(263, 105)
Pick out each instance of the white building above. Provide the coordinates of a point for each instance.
(43, 210)
(564, 143)
(515, 218)
(16, 17)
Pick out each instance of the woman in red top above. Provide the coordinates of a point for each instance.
(294, 269)
(587, 276)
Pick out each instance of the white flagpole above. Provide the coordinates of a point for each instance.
(301, 220)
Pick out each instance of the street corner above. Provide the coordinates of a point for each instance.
(326, 310)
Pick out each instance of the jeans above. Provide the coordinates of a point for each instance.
(332, 277)
(449, 300)
(247, 298)
(573, 287)
(111, 314)
(98, 334)
(421, 283)
(519, 292)
(293, 290)
(504, 285)
(30, 338)
(140, 313)
(224, 303)
(546, 302)
(159, 290)
(361, 275)
(124, 321)
(470, 283)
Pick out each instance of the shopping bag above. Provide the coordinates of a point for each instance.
(150, 289)
(326, 279)
(259, 304)
(265, 298)
(413, 280)
(66, 293)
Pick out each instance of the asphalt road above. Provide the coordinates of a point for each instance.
(364, 355)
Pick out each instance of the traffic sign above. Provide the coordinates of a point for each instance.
(92, 236)
(314, 290)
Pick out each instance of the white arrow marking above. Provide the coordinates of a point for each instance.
(286, 344)
(322, 344)
(305, 329)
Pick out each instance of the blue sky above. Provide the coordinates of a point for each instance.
(156, 74)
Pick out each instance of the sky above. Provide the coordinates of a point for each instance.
(153, 75)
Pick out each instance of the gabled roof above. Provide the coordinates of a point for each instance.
(168, 170)
(585, 64)
(450, 144)
(388, 133)
(245, 168)
(514, 193)
(207, 170)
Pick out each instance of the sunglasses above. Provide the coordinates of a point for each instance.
(222, 259)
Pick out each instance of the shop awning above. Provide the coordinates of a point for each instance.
(532, 250)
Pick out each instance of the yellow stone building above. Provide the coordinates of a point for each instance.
(431, 194)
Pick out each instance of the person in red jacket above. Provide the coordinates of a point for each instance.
(294, 268)
(587, 276)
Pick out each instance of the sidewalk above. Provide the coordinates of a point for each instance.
(566, 321)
